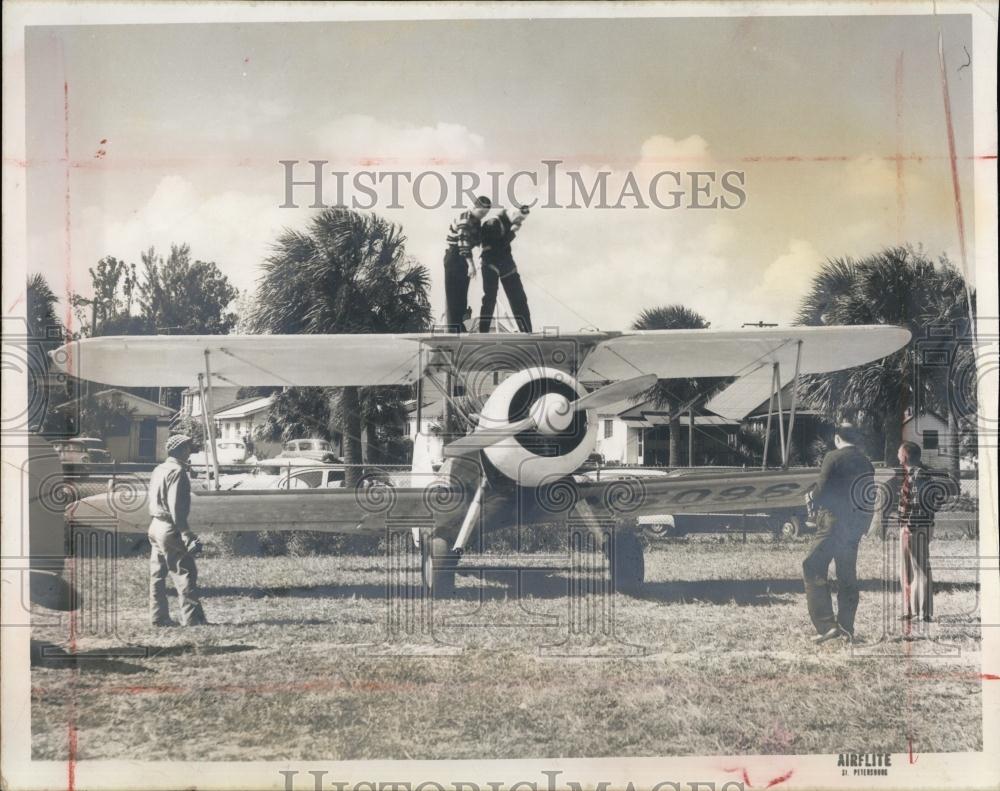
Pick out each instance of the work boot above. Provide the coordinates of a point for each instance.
(832, 634)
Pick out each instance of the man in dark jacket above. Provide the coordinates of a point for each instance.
(499, 267)
(846, 483)
(459, 265)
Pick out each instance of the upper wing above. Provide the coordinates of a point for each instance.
(370, 359)
(681, 354)
(242, 360)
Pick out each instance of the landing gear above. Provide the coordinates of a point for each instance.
(790, 526)
(438, 562)
(628, 564)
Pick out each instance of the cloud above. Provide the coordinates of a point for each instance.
(786, 280)
(582, 267)
(869, 175)
(363, 140)
(232, 228)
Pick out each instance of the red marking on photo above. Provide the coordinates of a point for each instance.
(743, 773)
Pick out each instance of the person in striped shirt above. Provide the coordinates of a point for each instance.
(918, 497)
(459, 265)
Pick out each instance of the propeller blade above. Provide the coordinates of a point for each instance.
(483, 438)
(615, 391)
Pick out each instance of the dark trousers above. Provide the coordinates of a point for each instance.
(837, 540)
(503, 271)
(915, 570)
(456, 289)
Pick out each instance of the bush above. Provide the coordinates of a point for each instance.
(267, 543)
(304, 543)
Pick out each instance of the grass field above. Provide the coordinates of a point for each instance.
(714, 658)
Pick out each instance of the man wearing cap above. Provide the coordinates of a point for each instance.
(173, 545)
(459, 265)
(499, 267)
(846, 483)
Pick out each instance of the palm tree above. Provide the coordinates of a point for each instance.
(45, 333)
(674, 394)
(901, 286)
(347, 272)
(43, 324)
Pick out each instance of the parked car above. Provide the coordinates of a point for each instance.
(83, 450)
(288, 473)
(229, 451)
(316, 449)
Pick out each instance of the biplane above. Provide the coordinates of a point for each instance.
(519, 462)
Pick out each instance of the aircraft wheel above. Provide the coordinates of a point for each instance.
(791, 526)
(439, 564)
(630, 564)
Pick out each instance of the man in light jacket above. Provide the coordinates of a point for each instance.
(173, 545)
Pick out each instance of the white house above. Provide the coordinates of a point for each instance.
(639, 434)
(238, 421)
(930, 432)
(221, 397)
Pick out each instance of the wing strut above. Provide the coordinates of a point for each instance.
(795, 393)
(775, 400)
(208, 415)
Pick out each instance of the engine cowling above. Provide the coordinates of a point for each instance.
(562, 437)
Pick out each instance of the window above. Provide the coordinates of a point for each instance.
(311, 479)
(930, 439)
(609, 428)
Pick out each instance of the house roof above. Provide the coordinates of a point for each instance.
(143, 406)
(244, 408)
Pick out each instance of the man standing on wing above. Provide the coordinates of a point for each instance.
(499, 267)
(459, 265)
(846, 479)
(172, 543)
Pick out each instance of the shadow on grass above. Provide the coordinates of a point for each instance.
(111, 660)
(759, 592)
(515, 583)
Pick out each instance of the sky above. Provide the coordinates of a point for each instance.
(174, 134)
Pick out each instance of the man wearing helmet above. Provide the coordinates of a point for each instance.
(173, 545)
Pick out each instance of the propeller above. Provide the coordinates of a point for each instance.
(550, 414)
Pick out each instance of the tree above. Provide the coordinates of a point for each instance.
(298, 412)
(346, 273)
(900, 286)
(103, 416)
(109, 311)
(45, 333)
(674, 394)
(184, 297)
(193, 427)
(384, 417)
(44, 326)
